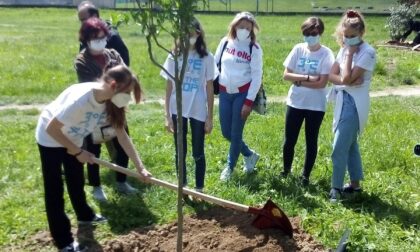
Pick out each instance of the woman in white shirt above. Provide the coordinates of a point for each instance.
(61, 128)
(351, 75)
(197, 101)
(307, 66)
(240, 79)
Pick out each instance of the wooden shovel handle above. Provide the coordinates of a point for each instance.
(152, 180)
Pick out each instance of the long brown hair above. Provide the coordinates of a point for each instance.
(125, 80)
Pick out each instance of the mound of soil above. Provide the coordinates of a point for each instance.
(402, 45)
(217, 229)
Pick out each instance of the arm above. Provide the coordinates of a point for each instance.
(115, 42)
(350, 76)
(210, 104)
(84, 73)
(131, 152)
(305, 80)
(336, 78)
(54, 130)
(168, 119)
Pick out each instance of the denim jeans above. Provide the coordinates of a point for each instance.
(197, 139)
(294, 121)
(51, 161)
(346, 152)
(232, 125)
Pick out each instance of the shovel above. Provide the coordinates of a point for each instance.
(270, 216)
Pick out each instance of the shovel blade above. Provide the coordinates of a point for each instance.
(271, 216)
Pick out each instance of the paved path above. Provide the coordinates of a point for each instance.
(398, 91)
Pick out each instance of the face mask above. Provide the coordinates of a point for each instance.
(352, 41)
(193, 40)
(121, 99)
(97, 45)
(242, 34)
(311, 40)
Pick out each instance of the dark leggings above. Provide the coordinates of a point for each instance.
(51, 161)
(197, 138)
(116, 153)
(294, 121)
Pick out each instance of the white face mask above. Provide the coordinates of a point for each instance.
(121, 99)
(351, 41)
(97, 45)
(242, 34)
(311, 40)
(192, 41)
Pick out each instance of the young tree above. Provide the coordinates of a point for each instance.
(173, 17)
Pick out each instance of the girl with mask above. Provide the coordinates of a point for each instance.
(197, 101)
(240, 79)
(90, 64)
(351, 75)
(307, 67)
(60, 131)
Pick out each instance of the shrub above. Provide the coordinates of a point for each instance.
(398, 21)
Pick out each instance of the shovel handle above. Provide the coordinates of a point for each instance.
(152, 180)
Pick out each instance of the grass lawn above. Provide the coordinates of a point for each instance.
(38, 47)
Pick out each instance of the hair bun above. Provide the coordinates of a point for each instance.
(352, 14)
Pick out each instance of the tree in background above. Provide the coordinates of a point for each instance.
(402, 15)
(173, 17)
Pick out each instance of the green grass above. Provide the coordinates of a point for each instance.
(384, 218)
(38, 47)
(38, 52)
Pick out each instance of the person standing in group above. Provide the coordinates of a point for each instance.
(197, 101)
(307, 66)
(351, 75)
(86, 10)
(90, 65)
(61, 128)
(240, 79)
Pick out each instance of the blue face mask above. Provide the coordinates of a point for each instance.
(311, 40)
(352, 41)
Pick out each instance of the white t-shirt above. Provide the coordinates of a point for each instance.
(77, 109)
(194, 92)
(302, 61)
(365, 58)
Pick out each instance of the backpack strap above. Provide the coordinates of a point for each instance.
(219, 64)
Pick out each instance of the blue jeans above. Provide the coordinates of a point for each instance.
(232, 125)
(197, 139)
(346, 152)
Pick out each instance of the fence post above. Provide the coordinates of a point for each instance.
(258, 3)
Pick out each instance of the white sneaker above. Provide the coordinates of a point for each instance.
(74, 247)
(99, 194)
(226, 174)
(250, 162)
(126, 188)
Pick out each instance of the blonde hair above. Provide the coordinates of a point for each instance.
(238, 18)
(350, 19)
(124, 79)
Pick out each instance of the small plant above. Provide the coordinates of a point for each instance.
(398, 22)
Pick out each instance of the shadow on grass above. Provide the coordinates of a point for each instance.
(380, 209)
(126, 212)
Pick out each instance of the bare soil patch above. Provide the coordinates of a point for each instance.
(216, 229)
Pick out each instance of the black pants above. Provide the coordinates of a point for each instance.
(197, 138)
(116, 153)
(51, 161)
(294, 121)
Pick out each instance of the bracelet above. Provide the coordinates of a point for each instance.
(307, 79)
(78, 153)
